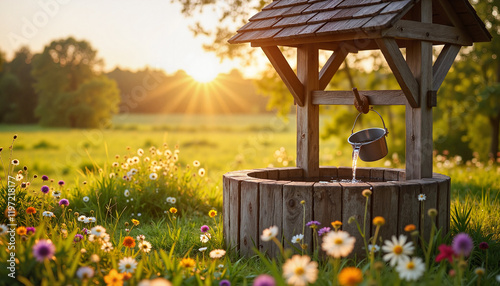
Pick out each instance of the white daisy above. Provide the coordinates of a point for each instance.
(196, 163)
(3, 229)
(145, 246)
(85, 219)
(397, 249)
(410, 269)
(92, 219)
(48, 214)
(269, 233)
(107, 247)
(153, 176)
(98, 230)
(140, 152)
(204, 238)
(141, 237)
(91, 237)
(126, 193)
(373, 247)
(86, 199)
(297, 238)
(56, 194)
(300, 270)
(202, 249)
(19, 177)
(421, 197)
(85, 272)
(201, 172)
(338, 243)
(217, 253)
(127, 264)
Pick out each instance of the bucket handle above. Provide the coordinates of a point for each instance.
(371, 108)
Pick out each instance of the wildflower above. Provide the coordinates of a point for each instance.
(135, 222)
(264, 280)
(212, 213)
(445, 252)
(397, 249)
(45, 178)
(21, 230)
(64, 203)
(85, 272)
(201, 172)
(225, 282)
(173, 210)
(31, 210)
(98, 230)
(297, 238)
(350, 276)
(462, 244)
(338, 243)
(410, 227)
(204, 228)
(141, 237)
(336, 225)
(378, 221)
(30, 230)
(366, 193)
(48, 214)
(114, 278)
(171, 200)
(373, 247)
(483, 245)
(217, 253)
(107, 246)
(187, 263)
(202, 249)
(432, 212)
(140, 152)
(313, 224)
(3, 229)
(126, 193)
(19, 177)
(82, 218)
(421, 197)
(129, 241)
(61, 183)
(196, 163)
(145, 246)
(300, 270)
(269, 233)
(410, 269)
(127, 264)
(56, 194)
(77, 237)
(43, 249)
(91, 219)
(479, 271)
(204, 238)
(86, 199)
(45, 189)
(323, 231)
(153, 176)
(15, 162)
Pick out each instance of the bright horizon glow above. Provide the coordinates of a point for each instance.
(204, 69)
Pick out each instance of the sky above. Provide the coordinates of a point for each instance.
(130, 34)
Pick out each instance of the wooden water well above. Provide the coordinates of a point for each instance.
(257, 199)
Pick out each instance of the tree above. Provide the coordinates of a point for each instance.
(70, 87)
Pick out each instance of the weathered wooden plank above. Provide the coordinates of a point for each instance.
(385, 203)
(286, 73)
(409, 207)
(308, 113)
(327, 203)
(443, 64)
(271, 213)
(400, 69)
(346, 97)
(346, 25)
(328, 172)
(234, 213)
(436, 33)
(290, 173)
(344, 172)
(249, 213)
(395, 7)
(226, 200)
(444, 202)
(377, 174)
(331, 67)
(293, 210)
(391, 175)
(430, 189)
(353, 205)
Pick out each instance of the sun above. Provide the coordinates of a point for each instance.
(203, 69)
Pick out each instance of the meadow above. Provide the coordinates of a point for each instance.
(174, 200)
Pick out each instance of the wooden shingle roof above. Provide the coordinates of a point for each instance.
(293, 22)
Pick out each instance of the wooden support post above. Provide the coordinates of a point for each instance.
(419, 119)
(308, 114)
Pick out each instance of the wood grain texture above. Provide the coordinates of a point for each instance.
(345, 97)
(249, 213)
(385, 203)
(409, 207)
(430, 189)
(293, 210)
(443, 64)
(331, 67)
(271, 213)
(226, 200)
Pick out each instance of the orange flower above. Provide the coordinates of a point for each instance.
(21, 230)
(212, 213)
(135, 222)
(378, 221)
(127, 275)
(173, 210)
(410, 228)
(31, 210)
(336, 224)
(350, 276)
(129, 241)
(187, 263)
(114, 278)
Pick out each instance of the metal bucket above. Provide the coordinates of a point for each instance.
(370, 142)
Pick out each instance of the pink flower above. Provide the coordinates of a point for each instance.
(445, 252)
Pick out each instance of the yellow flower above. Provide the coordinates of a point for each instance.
(187, 263)
(173, 210)
(336, 224)
(378, 221)
(21, 230)
(135, 222)
(410, 228)
(212, 213)
(350, 276)
(114, 278)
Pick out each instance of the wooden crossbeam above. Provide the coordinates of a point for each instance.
(443, 64)
(346, 97)
(286, 73)
(405, 29)
(331, 67)
(400, 68)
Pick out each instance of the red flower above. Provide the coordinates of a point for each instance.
(446, 252)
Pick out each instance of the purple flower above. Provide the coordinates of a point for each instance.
(264, 280)
(64, 202)
(484, 245)
(323, 230)
(313, 224)
(45, 189)
(85, 231)
(205, 228)
(61, 182)
(45, 178)
(462, 244)
(224, 283)
(78, 237)
(30, 230)
(43, 249)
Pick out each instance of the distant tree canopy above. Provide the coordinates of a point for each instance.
(71, 91)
